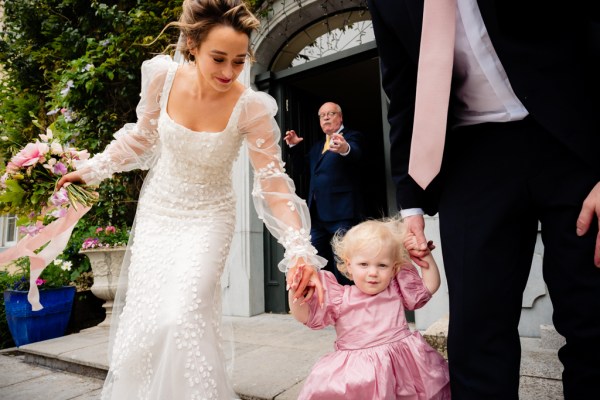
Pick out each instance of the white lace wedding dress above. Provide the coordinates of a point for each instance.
(167, 344)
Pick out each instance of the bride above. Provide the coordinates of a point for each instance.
(192, 120)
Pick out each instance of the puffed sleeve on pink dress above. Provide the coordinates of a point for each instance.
(328, 314)
(413, 292)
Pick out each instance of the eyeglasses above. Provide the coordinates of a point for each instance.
(327, 114)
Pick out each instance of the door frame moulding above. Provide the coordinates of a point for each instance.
(291, 25)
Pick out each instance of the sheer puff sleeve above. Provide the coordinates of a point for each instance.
(414, 292)
(136, 144)
(283, 212)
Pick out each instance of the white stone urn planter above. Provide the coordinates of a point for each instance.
(106, 266)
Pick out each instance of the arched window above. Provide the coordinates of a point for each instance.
(329, 35)
(334, 41)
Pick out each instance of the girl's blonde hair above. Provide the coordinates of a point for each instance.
(198, 17)
(374, 235)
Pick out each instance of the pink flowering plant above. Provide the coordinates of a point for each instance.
(105, 237)
(28, 181)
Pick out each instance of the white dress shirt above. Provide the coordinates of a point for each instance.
(482, 90)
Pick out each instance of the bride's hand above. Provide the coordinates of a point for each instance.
(71, 177)
(304, 279)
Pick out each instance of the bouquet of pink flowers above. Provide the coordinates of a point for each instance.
(27, 184)
(27, 189)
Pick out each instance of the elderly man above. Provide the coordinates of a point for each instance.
(334, 196)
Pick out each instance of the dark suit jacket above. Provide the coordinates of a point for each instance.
(551, 54)
(335, 180)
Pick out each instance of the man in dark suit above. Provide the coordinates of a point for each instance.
(522, 148)
(334, 198)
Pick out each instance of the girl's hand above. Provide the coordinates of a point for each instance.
(71, 177)
(304, 280)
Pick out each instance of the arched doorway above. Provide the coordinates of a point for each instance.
(332, 57)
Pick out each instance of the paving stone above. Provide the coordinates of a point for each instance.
(94, 395)
(550, 339)
(531, 388)
(13, 370)
(292, 393)
(539, 362)
(53, 385)
(269, 371)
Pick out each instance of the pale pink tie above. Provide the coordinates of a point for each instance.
(433, 90)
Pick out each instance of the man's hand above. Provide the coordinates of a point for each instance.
(410, 243)
(338, 144)
(304, 279)
(591, 207)
(291, 138)
(415, 225)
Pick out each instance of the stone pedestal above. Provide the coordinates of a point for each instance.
(106, 266)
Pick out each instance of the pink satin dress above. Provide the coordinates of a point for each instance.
(376, 355)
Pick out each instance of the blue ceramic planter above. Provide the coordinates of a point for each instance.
(27, 326)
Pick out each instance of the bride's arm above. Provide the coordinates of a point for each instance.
(136, 144)
(283, 212)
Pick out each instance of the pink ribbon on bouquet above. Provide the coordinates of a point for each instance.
(57, 233)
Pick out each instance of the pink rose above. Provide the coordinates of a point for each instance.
(110, 229)
(99, 229)
(31, 154)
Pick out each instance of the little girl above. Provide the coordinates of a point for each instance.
(376, 355)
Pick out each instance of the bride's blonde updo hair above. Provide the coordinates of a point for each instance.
(373, 235)
(200, 16)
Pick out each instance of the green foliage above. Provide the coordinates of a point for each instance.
(76, 64)
(6, 282)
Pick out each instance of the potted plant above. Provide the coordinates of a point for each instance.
(105, 248)
(56, 294)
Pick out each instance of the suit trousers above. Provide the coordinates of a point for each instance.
(321, 233)
(502, 181)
